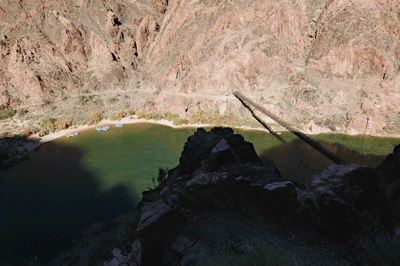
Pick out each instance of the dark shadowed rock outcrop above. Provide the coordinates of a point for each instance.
(206, 151)
(390, 170)
(342, 200)
(220, 171)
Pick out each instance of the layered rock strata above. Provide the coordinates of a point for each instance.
(327, 65)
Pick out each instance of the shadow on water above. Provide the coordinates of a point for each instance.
(297, 161)
(48, 199)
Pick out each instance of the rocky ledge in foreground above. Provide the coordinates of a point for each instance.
(218, 170)
(220, 174)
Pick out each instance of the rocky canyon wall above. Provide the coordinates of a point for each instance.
(319, 63)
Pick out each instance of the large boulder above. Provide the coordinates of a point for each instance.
(343, 200)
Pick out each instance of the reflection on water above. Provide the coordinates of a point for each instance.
(60, 190)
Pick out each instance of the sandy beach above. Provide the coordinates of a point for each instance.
(125, 121)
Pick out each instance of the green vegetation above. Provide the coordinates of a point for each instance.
(261, 255)
(99, 102)
(112, 99)
(17, 100)
(62, 124)
(161, 176)
(167, 116)
(96, 116)
(112, 116)
(121, 114)
(199, 116)
(388, 132)
(27, 132)
(46, 102)
(150, 103)
(82, 100)
(42, 132)
(21, 112)
(139, 115)
(6, 112)
(47, 123)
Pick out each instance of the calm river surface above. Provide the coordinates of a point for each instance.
(48, 199)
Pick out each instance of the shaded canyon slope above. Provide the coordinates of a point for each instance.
(320, 63)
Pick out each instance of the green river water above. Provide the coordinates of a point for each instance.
(49, 198)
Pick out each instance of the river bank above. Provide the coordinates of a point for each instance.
(23, 147)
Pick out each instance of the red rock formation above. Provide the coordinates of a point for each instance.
(341, 52)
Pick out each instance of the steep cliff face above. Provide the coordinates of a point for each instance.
(332, 63)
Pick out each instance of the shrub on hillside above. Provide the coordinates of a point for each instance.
(82, 100)
(99, 102)
(96, 116)
(176, 119)
(46, 102)
(47, 123)
(27, 132)
(153, 116)
(182, 121)
(199, 117)
(121, 114)
(230, 120)
(42, 132)
(112, 116)
(162, 174)
(139, 115)
(112, 99)
(62, 124)
(21, 112)
(6, 112)
(217, 118)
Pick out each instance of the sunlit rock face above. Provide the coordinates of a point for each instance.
(331, 63)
